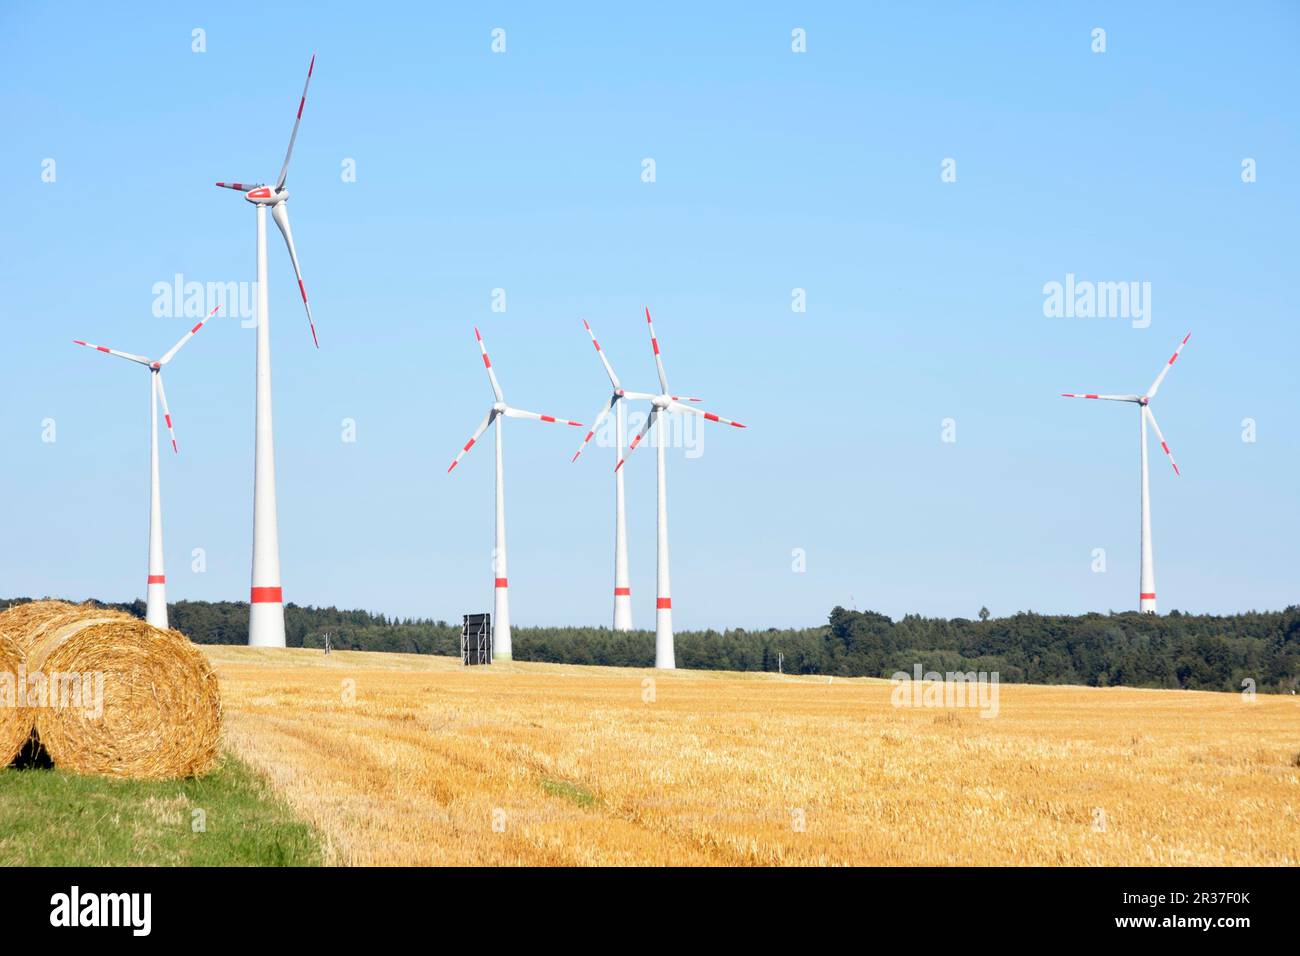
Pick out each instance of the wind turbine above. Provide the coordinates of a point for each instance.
(501, 582)
(1147, 584)
(156, 593)
(660, 406)
(622, 583)
(266, 602)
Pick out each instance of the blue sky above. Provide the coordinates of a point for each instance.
(774, 171)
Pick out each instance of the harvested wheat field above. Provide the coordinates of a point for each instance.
(401, 759)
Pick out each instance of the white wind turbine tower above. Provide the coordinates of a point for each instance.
(622, 582)
(1147, 584)
(266, 601)
(660, 406)
(156, 595)
(501, 582)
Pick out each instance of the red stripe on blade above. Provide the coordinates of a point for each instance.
(303, 289)
(266, 596)
(547, 418)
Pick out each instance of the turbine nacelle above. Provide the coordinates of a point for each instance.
(266, 196)
(259, 194)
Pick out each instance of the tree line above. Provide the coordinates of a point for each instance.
(1192, 651)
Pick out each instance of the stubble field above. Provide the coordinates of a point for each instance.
(401, 759)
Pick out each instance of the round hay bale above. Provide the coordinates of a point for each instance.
(149, 706)
(15, 717)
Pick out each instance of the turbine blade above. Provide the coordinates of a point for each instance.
(654, 344)
(284, 170)
(1164, 446)
(649, 420)
(1108, 398)
(167, 412)
(487, 420)
(520, 413)
(1155, 386)
(242, 187)
(487, 364)
(679, 407)
(280, 213)
(609, 369)
(107, 351)
(604, 413)
(187, 336)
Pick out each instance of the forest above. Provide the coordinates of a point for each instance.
(1174, 650)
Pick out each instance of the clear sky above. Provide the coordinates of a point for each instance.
(774, 171)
